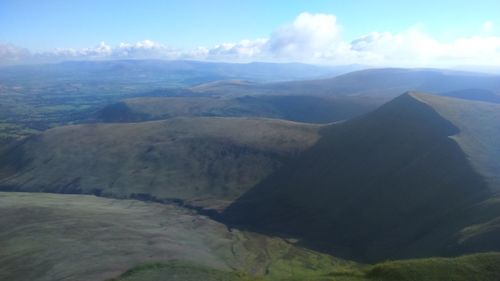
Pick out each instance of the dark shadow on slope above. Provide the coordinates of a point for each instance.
(390, 184)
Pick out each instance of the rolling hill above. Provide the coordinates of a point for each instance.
(384, 84)
(208, 160)
(474, 94)
(38, 97)
(309, 109)
(415, 178)
(312, 101)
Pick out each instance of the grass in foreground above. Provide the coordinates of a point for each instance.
(476, 267)
(180, 271)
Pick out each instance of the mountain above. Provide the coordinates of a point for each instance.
(418, 177)
(313, 101)
(204, 161)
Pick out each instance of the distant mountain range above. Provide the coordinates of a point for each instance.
(164, 72)
(311, 101)
(382, 83)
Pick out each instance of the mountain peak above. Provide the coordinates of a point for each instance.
(353, 192)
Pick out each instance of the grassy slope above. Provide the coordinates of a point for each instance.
(479, 125)
(140, 109)
(357, 188)
(309, 109)
(188, 159)
(180, 271)
(477, 267)
(47, 237)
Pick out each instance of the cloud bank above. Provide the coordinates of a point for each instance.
(312, 38)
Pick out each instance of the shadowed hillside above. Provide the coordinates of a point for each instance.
(310, 109)
(214, 159)
(398, 182)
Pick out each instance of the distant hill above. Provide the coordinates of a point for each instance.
(309, 109)
(313, 101)
(474, 94)
(174, 72)
(417, 177)
(382, 83)
(204, 161)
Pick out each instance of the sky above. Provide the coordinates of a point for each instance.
(384, 32)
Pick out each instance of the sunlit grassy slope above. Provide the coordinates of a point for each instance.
(194, 159)
(477, 267)
(479, 125)
(46, 237)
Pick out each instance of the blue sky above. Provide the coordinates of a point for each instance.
(41, 26)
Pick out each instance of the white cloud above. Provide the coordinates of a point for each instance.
(487, 27)
(144, 49)
(12, 54)
(415, 47)
(100, 51)
(409, 46)
(242, 50)
(308, 38)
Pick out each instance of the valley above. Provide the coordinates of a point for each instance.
(221, 172)
(249, 140)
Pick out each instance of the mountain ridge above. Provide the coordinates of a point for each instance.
(356, 188)
(208, 159)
